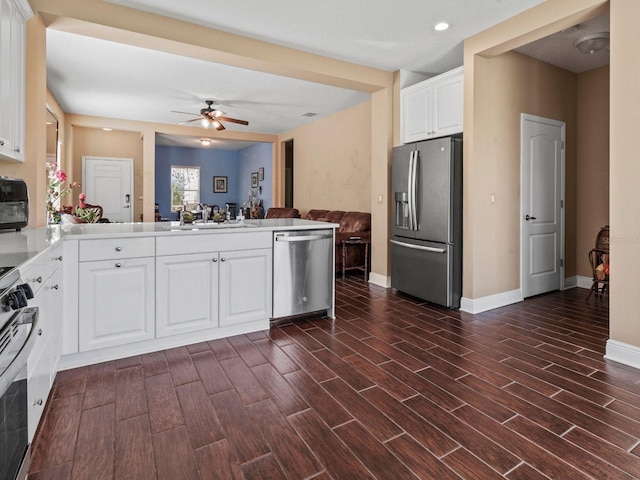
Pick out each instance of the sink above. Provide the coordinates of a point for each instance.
(208, 226)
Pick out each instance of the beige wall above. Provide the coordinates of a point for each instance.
(625, 172)
(592, 185)
(332, 161)
(95, 142)
(510, 84)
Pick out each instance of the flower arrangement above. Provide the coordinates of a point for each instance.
(56, 190)
(86, 214)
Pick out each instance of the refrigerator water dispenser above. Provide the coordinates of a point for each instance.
(402, 209)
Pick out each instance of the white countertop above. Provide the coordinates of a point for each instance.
(17, 248)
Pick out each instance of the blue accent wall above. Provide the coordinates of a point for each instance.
(250, 160)
(212, 162)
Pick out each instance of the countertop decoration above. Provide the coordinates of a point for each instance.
(56, 190)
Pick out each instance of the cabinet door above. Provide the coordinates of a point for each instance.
(55, 283)
(447, 106)
(245, 286)
(38, 386)
(6, 109)
(415, 107)
(186, 293)
(116, 304)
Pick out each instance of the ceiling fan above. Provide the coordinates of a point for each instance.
(211, 117)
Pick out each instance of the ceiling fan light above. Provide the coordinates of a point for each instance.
(593, 43)
(206, 123)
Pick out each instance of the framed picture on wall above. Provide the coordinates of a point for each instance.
(261, 174)
(219, 184)
(254, 180)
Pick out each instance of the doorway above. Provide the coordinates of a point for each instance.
(542, 205)
(108, 182)
(288, 173)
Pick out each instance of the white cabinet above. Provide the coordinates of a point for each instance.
(186, 293)
(40, 369)
(13, 16)
(207, 289)
(433, 108)
(116, 302)
(245, 286)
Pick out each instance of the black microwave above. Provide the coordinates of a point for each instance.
(14, 203)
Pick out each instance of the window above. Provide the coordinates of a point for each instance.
(185, 186)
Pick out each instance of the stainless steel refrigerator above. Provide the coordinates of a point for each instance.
(426, 242)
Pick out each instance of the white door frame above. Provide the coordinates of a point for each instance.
(131, 179)
(524, 117)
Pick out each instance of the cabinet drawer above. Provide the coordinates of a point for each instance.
(116, 248)
(37, 272)
(197, 243)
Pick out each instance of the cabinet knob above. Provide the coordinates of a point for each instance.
(215, 260)
(17, 149)
(38, 402)
(118, 265)
(58, 258)
(118, 249)
(39, 332)
(223, 259)
(1, 143)
(55, 287)
(38, 280)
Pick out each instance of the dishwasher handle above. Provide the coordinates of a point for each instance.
(302, 238)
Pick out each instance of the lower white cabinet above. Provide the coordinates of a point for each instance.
(205, 290)
(186, 293)
(38, 385)
(116, 302)
(245, 286)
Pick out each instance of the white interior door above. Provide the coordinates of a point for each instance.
(542, 214)
(108, 182)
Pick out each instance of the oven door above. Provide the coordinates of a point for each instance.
(16, 342)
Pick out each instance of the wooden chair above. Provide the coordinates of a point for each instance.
(599, 261)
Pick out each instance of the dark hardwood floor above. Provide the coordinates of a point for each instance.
(392, 389)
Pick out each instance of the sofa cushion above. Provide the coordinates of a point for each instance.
(334, 216)
(281, 212)
(316, 214)
(355, 222)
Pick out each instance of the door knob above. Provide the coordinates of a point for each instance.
(529, 218)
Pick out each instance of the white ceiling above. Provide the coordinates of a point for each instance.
(102, 78)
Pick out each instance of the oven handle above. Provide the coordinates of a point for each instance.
(27, 315)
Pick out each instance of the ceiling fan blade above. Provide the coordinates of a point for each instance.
(186, 113)
(189, 121)
(220, 126)
(234, 120)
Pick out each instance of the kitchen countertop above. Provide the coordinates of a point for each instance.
(17, 248)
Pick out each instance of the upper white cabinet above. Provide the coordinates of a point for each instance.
(13, 17)
(432, 108)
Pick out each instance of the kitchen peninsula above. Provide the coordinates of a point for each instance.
(133, 288)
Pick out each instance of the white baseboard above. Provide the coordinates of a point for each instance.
(478, 305)
(584, 282)
(623, 353)
(570, 282)
(380, 280)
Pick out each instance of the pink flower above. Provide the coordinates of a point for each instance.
(81, 199)
(61, 176)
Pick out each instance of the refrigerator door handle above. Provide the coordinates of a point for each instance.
(418, 247)
(412, 190)
(414, 199)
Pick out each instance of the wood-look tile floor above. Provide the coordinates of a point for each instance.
(392, 389)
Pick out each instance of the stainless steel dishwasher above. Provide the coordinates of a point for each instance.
(302, 271)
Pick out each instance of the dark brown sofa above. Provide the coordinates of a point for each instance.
(352, 224)
(281, 212)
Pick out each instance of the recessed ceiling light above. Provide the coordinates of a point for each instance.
(440, 27)
(205, 141)
(107, 129)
